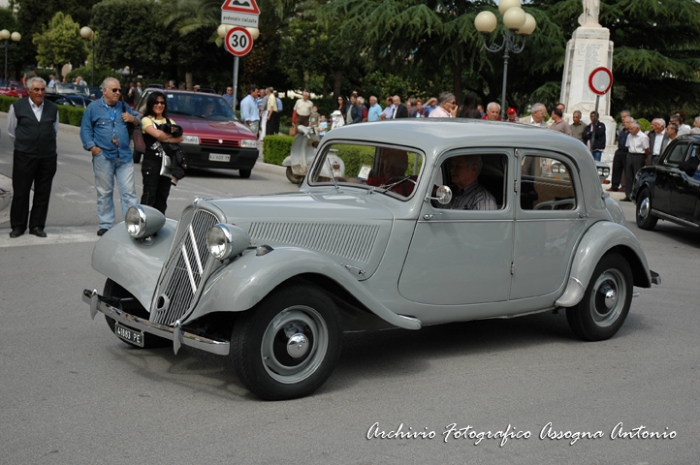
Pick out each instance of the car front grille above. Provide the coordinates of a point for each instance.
(219, 142)
(186, 270)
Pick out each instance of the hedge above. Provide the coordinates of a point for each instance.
(66, 114)
(276, 149)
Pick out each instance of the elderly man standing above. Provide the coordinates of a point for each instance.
(105, 135)
(493, 112)
(446, 103)
(32, 124)
(577, 126)
(658, 140)
(558, 123)
(620, 157)
(249, 111)
(536, 118)
(375, 110)
(638, 145)
(302, 110)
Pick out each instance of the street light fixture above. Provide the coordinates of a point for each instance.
(89, 35)
(518, 26)
(5, 36)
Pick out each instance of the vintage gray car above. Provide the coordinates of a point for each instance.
(406, 239)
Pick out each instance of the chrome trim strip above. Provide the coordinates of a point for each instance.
(666, 216)
(213, 346)
(189, 269)
(196, 250)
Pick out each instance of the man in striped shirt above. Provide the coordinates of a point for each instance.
(470, 195)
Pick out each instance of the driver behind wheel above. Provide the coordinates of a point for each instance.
(470, 195)
(392, 169)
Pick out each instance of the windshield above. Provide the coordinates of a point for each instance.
(69, 88)
(385, 169)
(206, 106)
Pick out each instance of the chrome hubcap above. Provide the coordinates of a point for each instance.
(297, 345)
(294, 344)
(644, 208)
(606, 304)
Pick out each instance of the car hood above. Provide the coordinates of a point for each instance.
(351, 230)
(203, 127)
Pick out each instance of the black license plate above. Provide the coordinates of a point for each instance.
(129, 335)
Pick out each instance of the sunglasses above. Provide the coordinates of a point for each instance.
(116, 90)
(159, 102)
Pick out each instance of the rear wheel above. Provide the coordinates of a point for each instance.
(293, 178)
(245, 174)
(645, 220)
(133, 307)
(288, 345)
(606, 303)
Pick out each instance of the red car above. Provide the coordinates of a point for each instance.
(213, 137)
(14, 89)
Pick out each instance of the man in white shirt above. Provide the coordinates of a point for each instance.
(536, 118)
(658, 139)
(638, 145)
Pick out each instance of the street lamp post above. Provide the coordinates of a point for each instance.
(88, 34)
(5, 36)
(518, 26)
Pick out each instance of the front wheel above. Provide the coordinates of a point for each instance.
(288, 345)
(293, 178)
(645, 220)
(606, 303)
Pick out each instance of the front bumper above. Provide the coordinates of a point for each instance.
(176, 334)
(240, 158)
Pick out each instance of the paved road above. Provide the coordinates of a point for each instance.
(71, 393)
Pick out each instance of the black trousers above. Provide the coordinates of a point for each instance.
(618, 168)
(156, 188)
(635, 162)
(28, 170)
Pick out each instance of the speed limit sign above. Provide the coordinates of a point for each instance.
(238, 41)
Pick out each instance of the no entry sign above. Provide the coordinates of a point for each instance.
(600, 81)
(238, 41)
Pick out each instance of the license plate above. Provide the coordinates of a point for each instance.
(219, 157)
(128, 334)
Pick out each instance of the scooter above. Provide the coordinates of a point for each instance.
(303, 153)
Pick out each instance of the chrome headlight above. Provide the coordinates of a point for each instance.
(249, 143)
(225, 241)
(190, 140)
(142, 221)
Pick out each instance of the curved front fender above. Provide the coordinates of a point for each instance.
(135, 265)
(250, 278)
(598, 240)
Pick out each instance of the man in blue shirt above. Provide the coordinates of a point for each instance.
(250, 114)
(228, 96)
(104, 134)
(375, 110)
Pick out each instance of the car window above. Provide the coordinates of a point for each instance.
(546, 184)
(206, 106)
(677, 153)
(387, 169)
(477, 180)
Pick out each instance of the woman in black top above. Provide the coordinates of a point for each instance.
(156, 188)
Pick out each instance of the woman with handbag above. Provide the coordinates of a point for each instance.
(156, 165)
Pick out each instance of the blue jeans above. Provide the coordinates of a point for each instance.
(105, 171)
(597, 154)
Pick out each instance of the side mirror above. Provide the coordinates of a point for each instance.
(443, 195)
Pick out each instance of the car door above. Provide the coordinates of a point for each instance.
(550, 217)
(668, 176)
(463, 256)
(685, 189)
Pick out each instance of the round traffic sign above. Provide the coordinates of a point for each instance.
(238, 41)
(600, 81)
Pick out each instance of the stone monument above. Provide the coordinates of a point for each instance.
(589, 48)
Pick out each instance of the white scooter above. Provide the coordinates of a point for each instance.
(303, 153)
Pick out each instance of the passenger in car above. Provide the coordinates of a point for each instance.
(392, 168)
(465, 170)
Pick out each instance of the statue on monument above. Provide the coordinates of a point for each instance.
(589, 18)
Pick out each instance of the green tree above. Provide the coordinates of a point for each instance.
(60, 43)
(32, 15)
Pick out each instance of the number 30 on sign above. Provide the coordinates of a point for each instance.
(238, 41)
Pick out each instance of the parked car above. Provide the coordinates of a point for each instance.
(12, 89)
(213, 137)
(272, 281)
(73, 100)
(670, 189)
